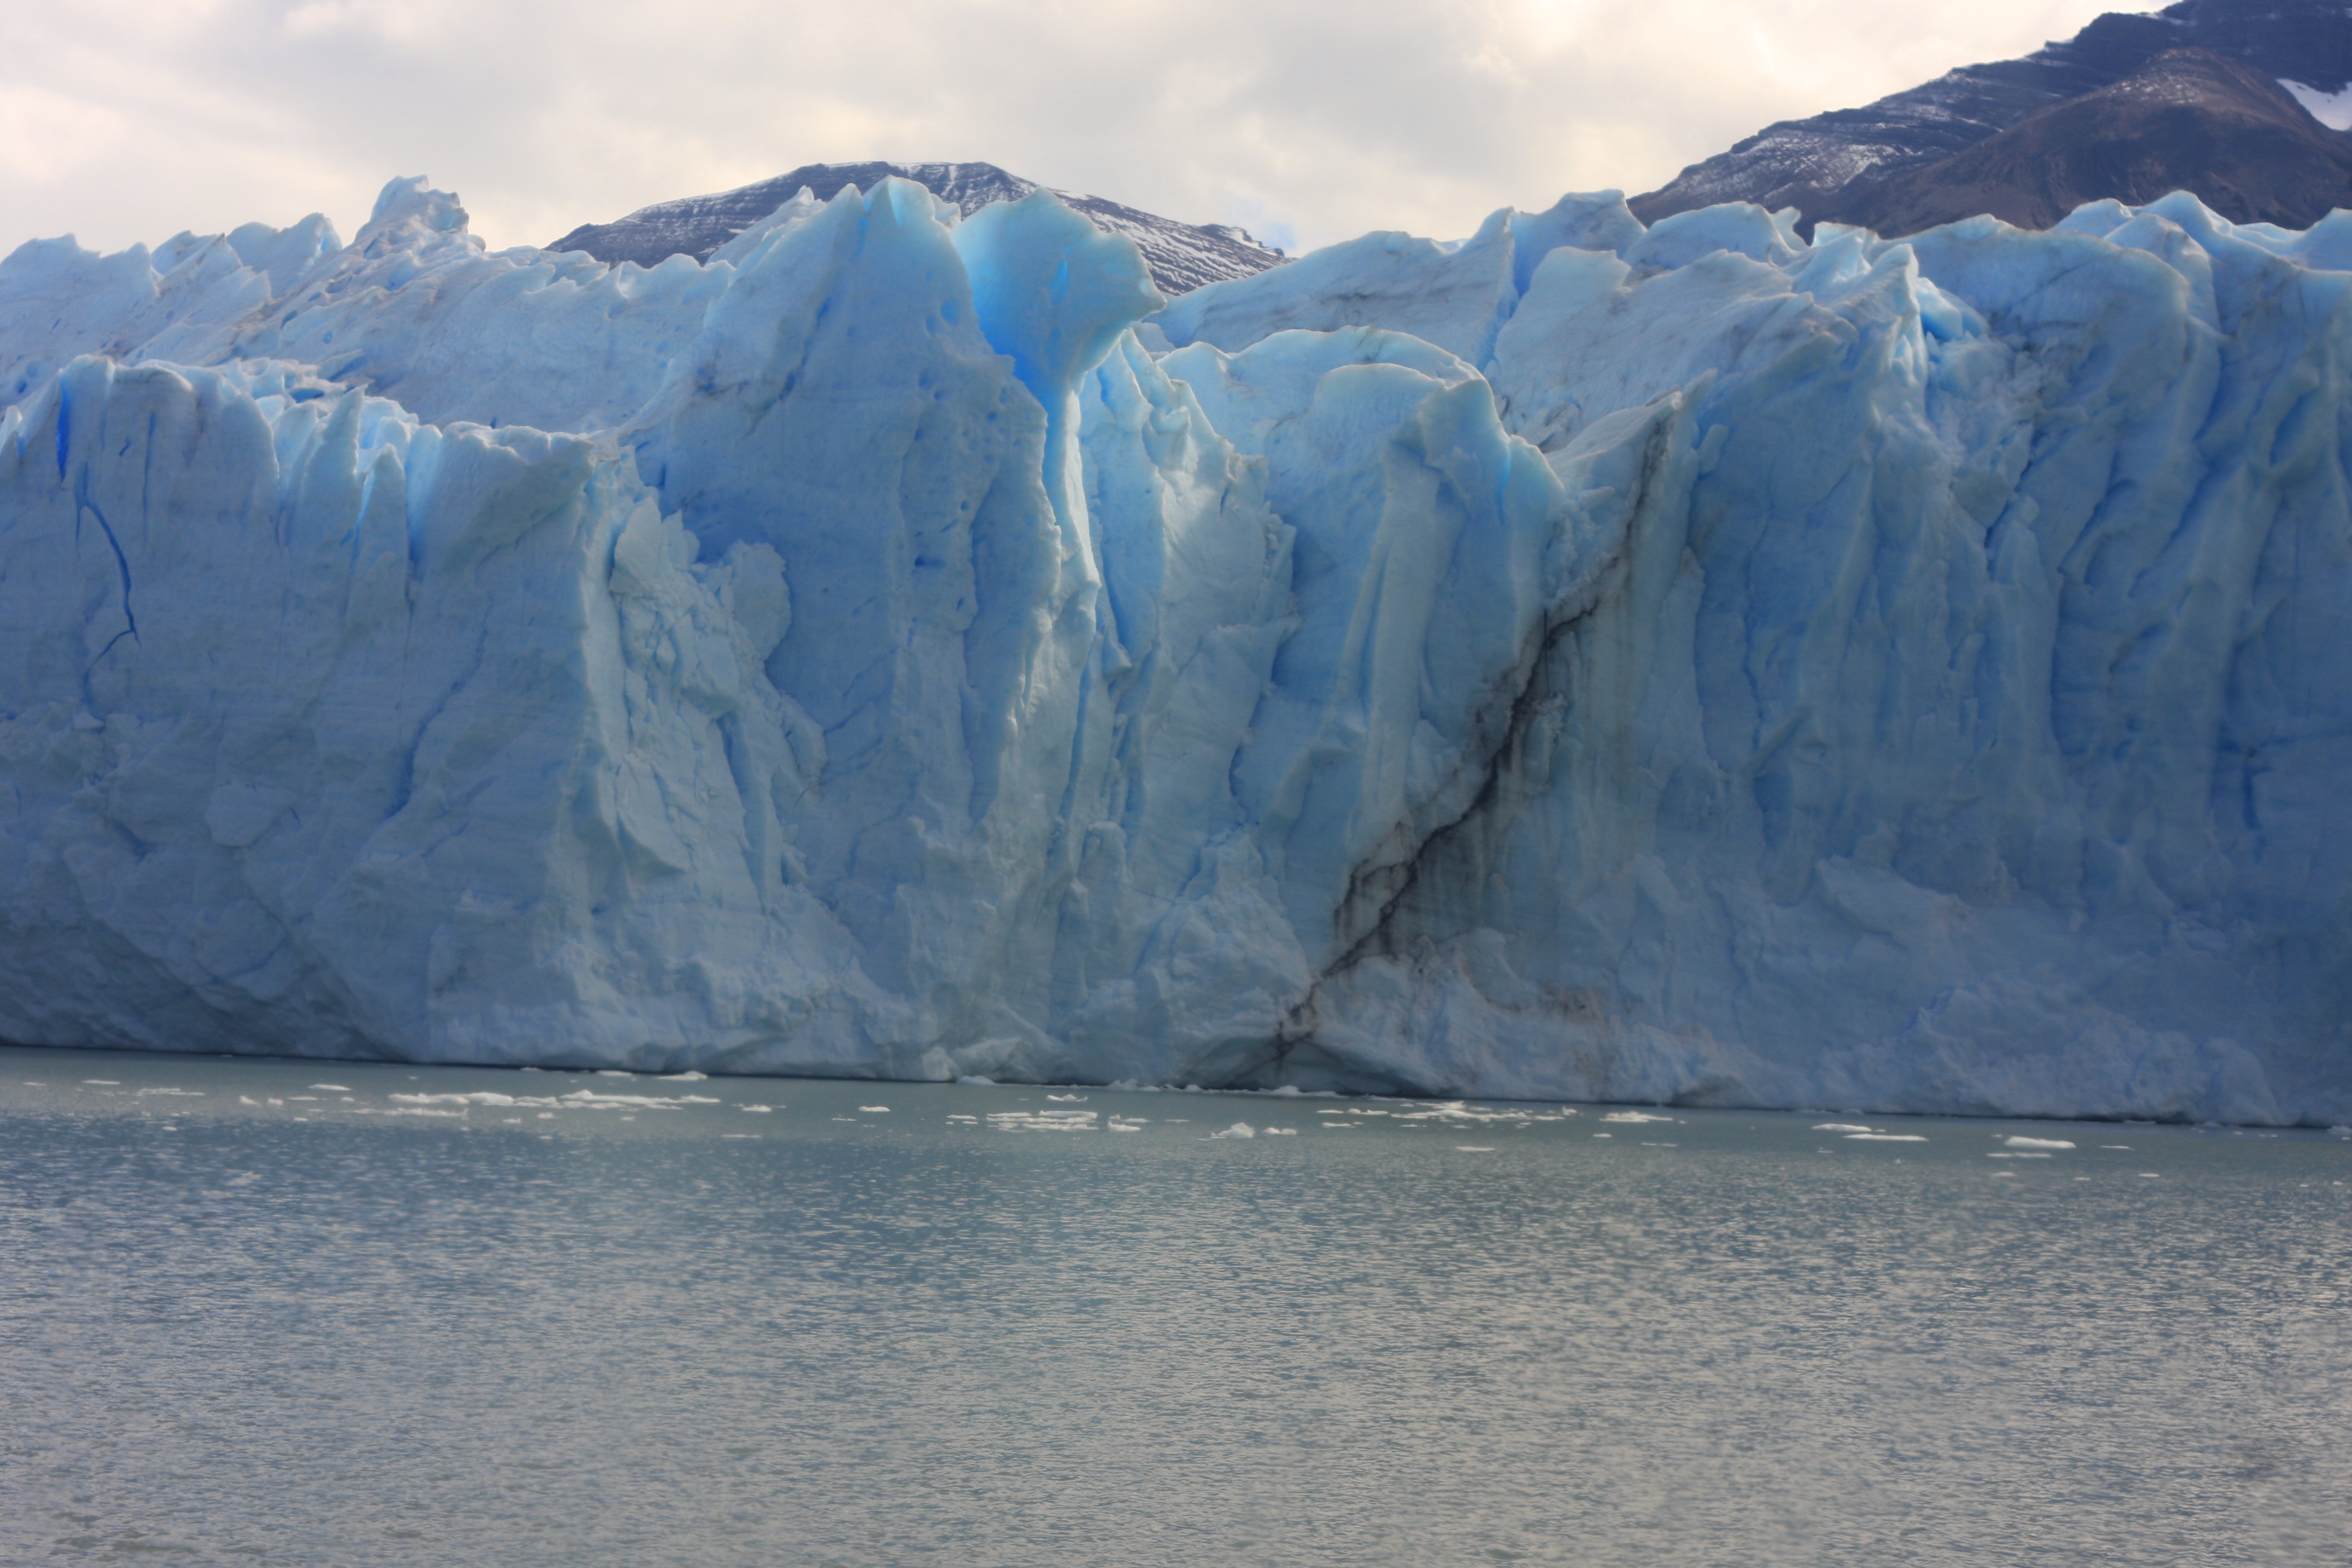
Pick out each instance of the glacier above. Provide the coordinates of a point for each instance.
(1686, 664)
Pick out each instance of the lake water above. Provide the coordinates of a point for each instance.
(315, 1313)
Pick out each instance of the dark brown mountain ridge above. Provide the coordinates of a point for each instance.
(2188, 120)
(1828, 165)
(1182, 256)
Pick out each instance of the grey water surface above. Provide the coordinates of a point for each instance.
(291, 1312)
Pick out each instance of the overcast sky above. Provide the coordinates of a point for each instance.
(1307, 121)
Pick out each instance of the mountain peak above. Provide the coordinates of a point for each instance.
(1824, 165)
(1183, 256)
(2188, 119)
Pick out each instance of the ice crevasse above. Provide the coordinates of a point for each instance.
(1689, 664)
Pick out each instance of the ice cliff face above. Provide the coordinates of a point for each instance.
(1683, 663)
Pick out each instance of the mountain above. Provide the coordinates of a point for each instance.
(2190, 120)
(1817, 165)
(1182, 256)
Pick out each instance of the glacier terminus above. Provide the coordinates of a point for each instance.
(1692, 663)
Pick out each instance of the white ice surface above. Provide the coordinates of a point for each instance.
(1686, 664)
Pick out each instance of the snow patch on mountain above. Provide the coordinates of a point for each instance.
(2333, 110)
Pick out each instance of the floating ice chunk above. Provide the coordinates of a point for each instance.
(683, 1077)
(1839, 1127)
(1487, 1148)
(1634, 1116)
(1043, 1120)
(477, 1096)
(2021, 1142)
(1238, 1129)
(2023, 1154)
(879, 1109)
(759, 1109)
(1884, 1138)
(333, 1087)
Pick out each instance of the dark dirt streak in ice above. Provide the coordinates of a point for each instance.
(1430, 894)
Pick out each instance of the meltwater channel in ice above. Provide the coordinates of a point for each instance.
(1694, 663)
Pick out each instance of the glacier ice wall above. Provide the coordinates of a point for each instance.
(1686, 664)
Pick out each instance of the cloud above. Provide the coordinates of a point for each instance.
(123, 120)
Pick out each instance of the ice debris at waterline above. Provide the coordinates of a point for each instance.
(1584, 661)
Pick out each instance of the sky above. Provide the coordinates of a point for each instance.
(1306, 120)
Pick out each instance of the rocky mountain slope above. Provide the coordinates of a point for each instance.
(1182, 256)
(1823, 165)
(2190, 119)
